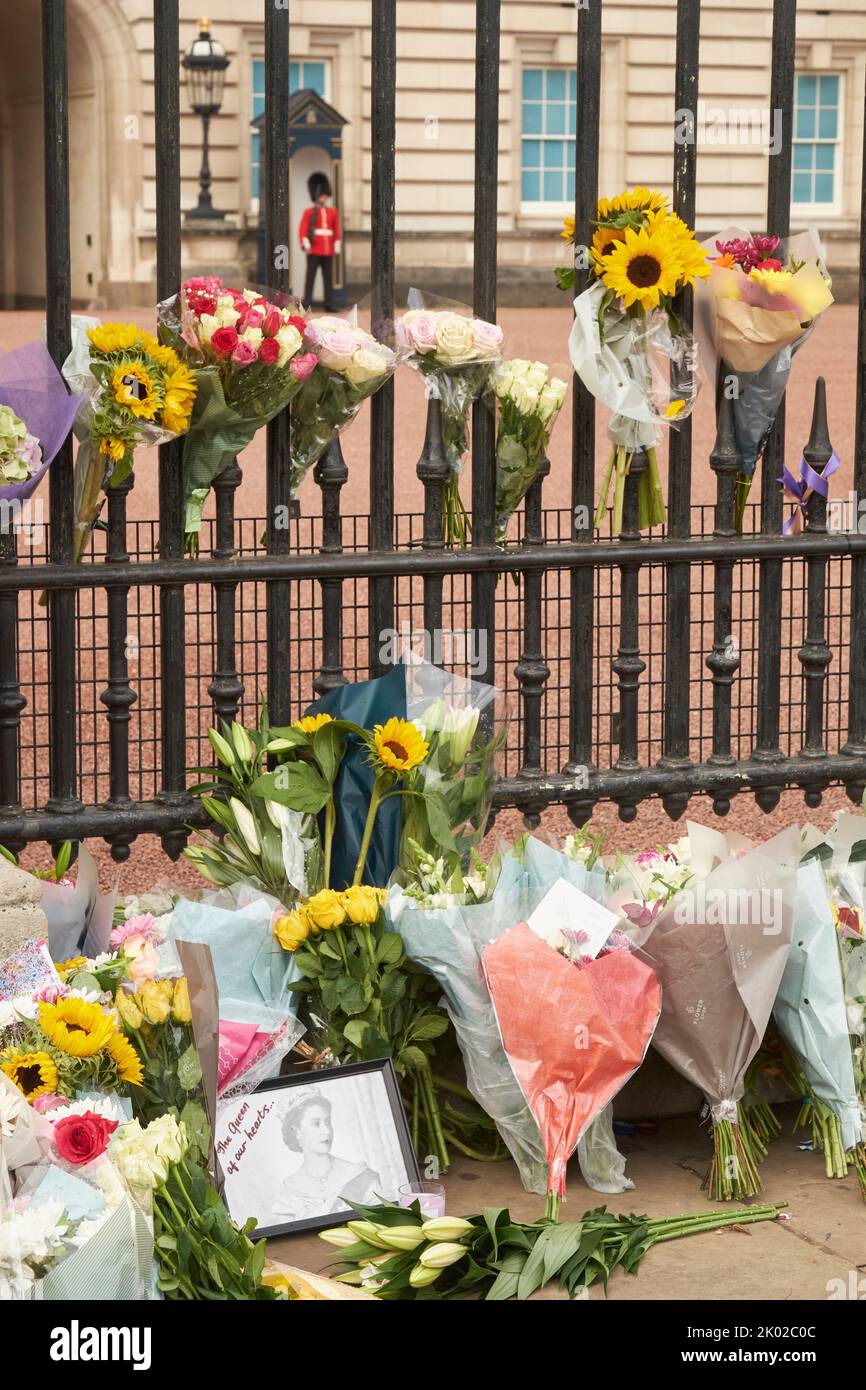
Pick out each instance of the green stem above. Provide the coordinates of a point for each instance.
(372, 810)
(330, 826)
(551, 1207)
(604, 490)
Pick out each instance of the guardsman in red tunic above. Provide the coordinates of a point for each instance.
(320, 238)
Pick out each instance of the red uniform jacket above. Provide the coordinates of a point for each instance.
(321, 226)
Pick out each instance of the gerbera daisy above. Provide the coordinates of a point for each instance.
(399, 745)
(133, 387)
(180, 392)
(642, 268)
(75, 1026)
(311, 722)
(126, 1059)
(34, 1073)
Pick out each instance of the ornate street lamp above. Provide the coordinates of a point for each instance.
(205, 62)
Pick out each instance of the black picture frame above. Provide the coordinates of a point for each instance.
(321, 1078)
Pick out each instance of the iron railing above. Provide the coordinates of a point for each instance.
(615, 654)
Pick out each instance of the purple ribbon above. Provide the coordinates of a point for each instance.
(801, 489)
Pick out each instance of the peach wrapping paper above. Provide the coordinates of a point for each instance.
(573, 1036)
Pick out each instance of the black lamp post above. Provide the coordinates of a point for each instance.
(205, 62)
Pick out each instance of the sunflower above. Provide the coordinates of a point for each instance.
(692, 257)
(133, 387)
(126, 1059)
(179, 397)
(163, 356)
(603, 243)
(399, 745)
(114, 337)
(642, 268)
(567, 232)
(638, 200)
(76, 1027)
(69, 967)
(34, 1073)
(311, 722)
(111, 445)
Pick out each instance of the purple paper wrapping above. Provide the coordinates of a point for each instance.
(31, 385)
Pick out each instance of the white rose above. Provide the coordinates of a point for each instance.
(537, 375)
(551, 399)
(208, 325)
(253, 336)
(289, 340)
(227, 315)
(455, 341)
(525, 398)
(251, 296)
(366, 365)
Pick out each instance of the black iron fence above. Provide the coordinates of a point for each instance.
(616, 654)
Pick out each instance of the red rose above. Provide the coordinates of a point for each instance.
(224, 342)
(272, 323)
(81, 1138)
(269, 350)
(297, 322)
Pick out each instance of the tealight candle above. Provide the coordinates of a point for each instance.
(430, 1197)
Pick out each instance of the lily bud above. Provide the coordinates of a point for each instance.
(402, 1237)
(222, 748)
(242, 742)
(366, 1231)
(441, 1255)
(352, 1276)
(446, 1228)
(246, 825)
(340, 1236)
(420, 1276)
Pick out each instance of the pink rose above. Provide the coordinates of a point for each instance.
(244, 354)
(272, 323)
(421, 331)
(251, 319)
(338, 347)
(303, 366)
(488, 336)
(269, 350)
(142, 957)
(224, 342)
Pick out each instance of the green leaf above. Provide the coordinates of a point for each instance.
(82, 979)
(413, 1056)
(353, 995)
(189, 1068)
(195, 1121)
(429, 1027)
(565, 280)
(299, 785)
(506, 1282)
(355, 1032)
(438, 820)
(389, 948)
(308, 962)
(858, 852)
(328, 749)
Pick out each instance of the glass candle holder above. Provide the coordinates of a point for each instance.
(430, 1197)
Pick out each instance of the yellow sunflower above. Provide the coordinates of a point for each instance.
(179, 397)
(164, 356)
(76, 1027)
(567, 232)
(133, 387)
(69, 967)
(399, 745)
(638, 200)
(34, 1073)
(311, 722)
(689, 252)
(603, 242)
(114, 337)
(126, 1059)
(642, 268)
(112, 446)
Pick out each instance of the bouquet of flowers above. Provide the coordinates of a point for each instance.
(137, 392)
(529, 402)
(627, 345)
(351, 364)
(642, 884)
(761, 302)
(245, 350)
(455, 354)
(36, 415)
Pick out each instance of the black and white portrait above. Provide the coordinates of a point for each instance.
(299, 1150)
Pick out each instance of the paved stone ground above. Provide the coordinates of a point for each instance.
(823, 1239)
(533, 333)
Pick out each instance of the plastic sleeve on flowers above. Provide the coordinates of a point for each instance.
(89, 476)
(326, 403)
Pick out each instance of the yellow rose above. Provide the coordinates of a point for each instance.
(154, 1000)
(181, 1011)
(128, 1009)
(361, 903)
(325, 910)
(455, 341)
(291, 929)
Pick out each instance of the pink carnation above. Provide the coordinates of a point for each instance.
(49, 994)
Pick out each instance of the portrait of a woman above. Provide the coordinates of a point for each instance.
(324, 1183)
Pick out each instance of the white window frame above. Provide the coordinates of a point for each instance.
(809, 211)
(544, 211)
(257, 55)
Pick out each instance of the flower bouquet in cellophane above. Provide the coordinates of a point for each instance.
(36, 414)
(529, 399)
(245, 350)
(351, 365)
(454, 354)
(137, 392)
(759, 305)
(627, 345)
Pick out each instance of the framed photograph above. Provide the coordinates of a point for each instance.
(296, 1151)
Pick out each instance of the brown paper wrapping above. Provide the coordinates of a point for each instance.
(747, 337)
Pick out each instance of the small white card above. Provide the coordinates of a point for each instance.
(571, 921)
